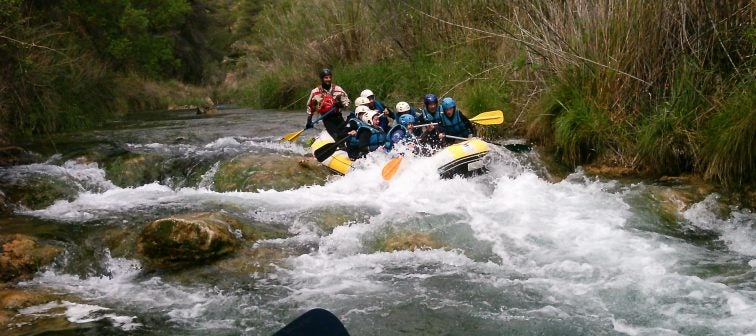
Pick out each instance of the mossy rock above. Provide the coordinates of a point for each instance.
(39, 191)
(187, 239)
(192, 239)
(133, 169)
(252, 172)
(409, 241)
(21, 256)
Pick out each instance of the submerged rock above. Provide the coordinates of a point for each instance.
(676, 194)
(39, 191)
(34, 312)
(22, 256)
(192, 238)
(133, 169)
(409, 241)
(252, 172)
(261, 259)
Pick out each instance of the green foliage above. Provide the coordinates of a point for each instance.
(729, 145)
(136, 35)
(667, 139)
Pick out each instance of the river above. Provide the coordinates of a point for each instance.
(521, 255)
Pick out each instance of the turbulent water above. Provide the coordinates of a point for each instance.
(521, 255)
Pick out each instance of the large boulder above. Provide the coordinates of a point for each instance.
(190, 239)
(252, 172)
(21, 256)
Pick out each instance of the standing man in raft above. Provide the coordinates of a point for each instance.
(327, 99)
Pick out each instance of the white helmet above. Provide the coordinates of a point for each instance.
(361, 109)
(366, 93)
(361, 101)
(402, 107)
(368, 117)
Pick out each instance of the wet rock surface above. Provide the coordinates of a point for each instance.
(192, 239)
(22, 256)
(133, 169)
(253, 172)
(39, 191)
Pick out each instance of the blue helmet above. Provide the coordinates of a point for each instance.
(430, 98)
(448, 103)
(405, 119)
(397, 136)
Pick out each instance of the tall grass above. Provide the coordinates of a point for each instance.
(728, 152)
(641, 84)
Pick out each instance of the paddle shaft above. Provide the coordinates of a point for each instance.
(455, 137)
(324, 115)
(426, 125)
(327, 150)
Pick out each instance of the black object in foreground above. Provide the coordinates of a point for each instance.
(315, 322)
(322, 153)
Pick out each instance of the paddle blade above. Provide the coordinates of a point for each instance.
(489, 118)
(292, 136)
(389, 170)
(322, 153)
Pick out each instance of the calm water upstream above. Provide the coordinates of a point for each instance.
(522, 255)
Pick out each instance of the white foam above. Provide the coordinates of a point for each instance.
(85, 176)
(82, 313)
(124, 288)
(738, 231)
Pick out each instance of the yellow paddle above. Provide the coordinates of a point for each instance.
(489, 118)
(294, 135)
(391, 167)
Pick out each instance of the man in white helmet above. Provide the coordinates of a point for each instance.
(327, 99)
(377, 105)
(371, 136)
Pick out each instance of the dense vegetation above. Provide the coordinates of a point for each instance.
(663, 87)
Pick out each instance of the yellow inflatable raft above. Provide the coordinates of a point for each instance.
(464, 158)
(339, 161)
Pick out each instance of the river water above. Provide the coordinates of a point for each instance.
(521, 255)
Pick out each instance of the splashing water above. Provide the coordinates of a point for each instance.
(520, 255)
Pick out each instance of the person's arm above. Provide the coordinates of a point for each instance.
(311, 103)
(343, 98)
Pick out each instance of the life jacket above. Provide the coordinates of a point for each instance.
(326, 104)
(353, 142)
(431, 117)
(377, 136)
(454, 125)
